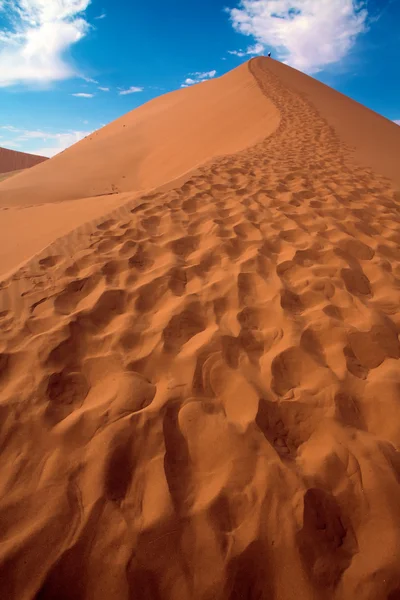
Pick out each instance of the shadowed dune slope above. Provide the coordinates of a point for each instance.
(200, 394)
(153, 144)
(11, 160)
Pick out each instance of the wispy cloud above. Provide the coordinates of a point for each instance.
(90, 80)
(198, 77)
(102, 16)
(307, 34)
(104, 89)
(44, 143)
(10, 144)
(36, 37)
(250, 51)
(82, 95)
(132, 90)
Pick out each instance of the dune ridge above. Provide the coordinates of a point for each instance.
(200, 397)
(149, 147)
(153, 144)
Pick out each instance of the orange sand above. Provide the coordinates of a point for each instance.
(11, 160)
(200, 392)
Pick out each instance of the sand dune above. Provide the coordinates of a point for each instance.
(12, 160)
(200, 392)
(154, 143)
(147, 148)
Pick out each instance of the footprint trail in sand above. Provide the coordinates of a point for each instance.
(203, 402)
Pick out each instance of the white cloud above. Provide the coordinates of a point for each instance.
(397, 121)
(39, 32)
(132, 90)
(40, 142)
(82, 95)
(104, 89)
(206, 75)
(10, 144)
(250, 51)
(102, 16)
(9, 128)
(198, 77)
(307, 34)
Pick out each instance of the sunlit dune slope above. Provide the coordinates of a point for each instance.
(153, 144)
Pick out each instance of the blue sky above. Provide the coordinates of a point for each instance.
(67, 67)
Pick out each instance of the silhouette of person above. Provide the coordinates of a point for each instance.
(269, 54)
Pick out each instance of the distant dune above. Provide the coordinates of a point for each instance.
(11, 160)
(199, 352)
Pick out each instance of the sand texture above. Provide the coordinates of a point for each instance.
(12, 160)
(200, 392)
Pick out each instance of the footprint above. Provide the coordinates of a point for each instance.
(291, 302)
(356, 282)
(120, 467)
(291, 235)
(5, 364)
(270, 421)
(247, 231)
(106, 245)
(49, 261)
(182, 327)
(150, 294)
(358, 250)
(127, 248)
(176, 459)
(177, 281)
(75, 291)
(252, 342)
(288, 270)
(326, 546)
(185, 245)
(250, 575)
(234, 247)
(112, 268)
(251, 289)
(348, 411)
(150, 224)
(306, 258)
(66, 392)
(190, 205)
(106, 225)
(250, 318)
(288, 368)
(224, 519)
(231, 348)
(110, 304)
(141, 260)
(372, 347)
(70, 350)
(333, 311)
(134, 234)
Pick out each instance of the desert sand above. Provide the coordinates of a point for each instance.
(200, 384)
(12, 160)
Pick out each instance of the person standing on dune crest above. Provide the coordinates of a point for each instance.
(269, 54)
